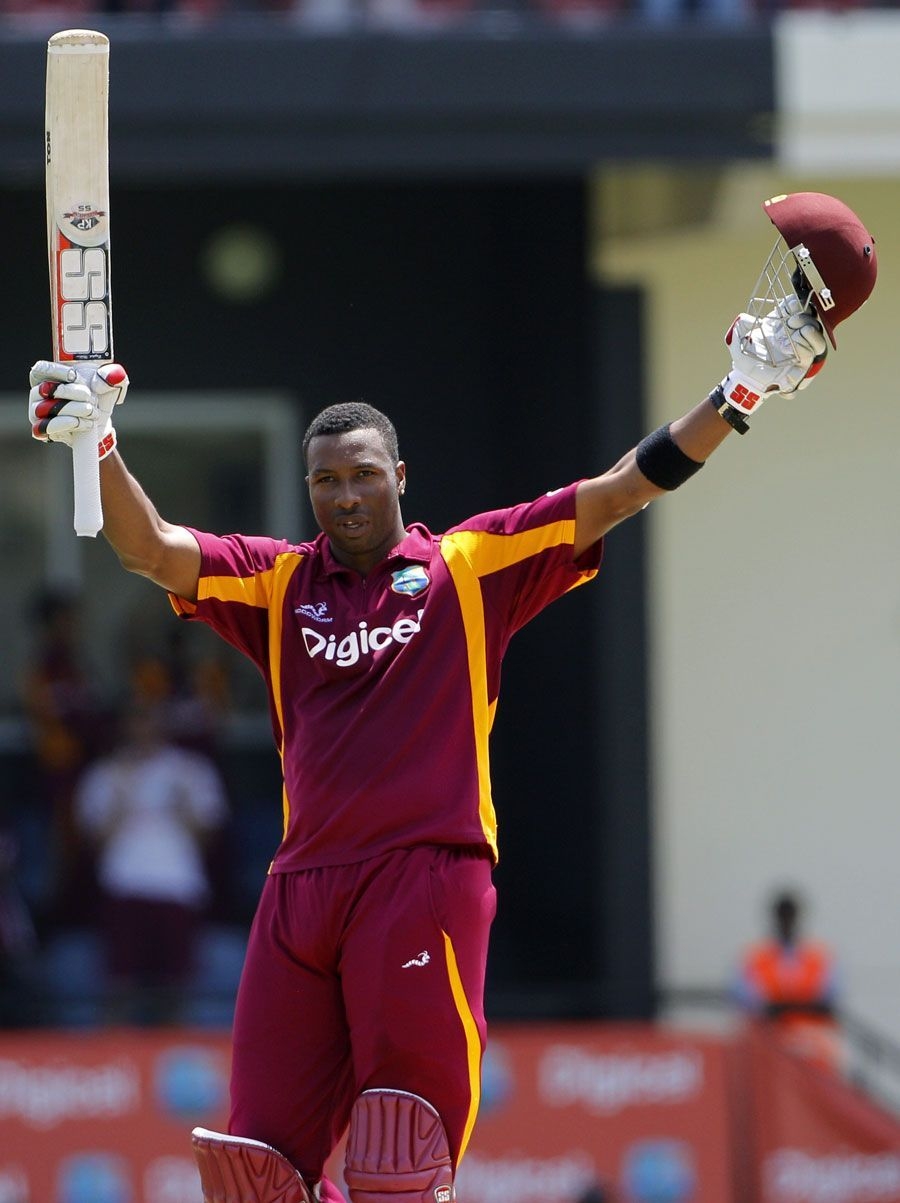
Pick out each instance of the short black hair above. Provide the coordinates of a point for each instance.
(352, 415)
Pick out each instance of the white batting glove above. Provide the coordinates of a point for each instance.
(68, 399)
(779, 353)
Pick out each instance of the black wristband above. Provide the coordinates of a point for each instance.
(663, 462)
(735, 420)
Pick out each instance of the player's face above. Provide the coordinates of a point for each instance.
(355, 488)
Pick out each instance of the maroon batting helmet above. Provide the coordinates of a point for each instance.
(834, 253)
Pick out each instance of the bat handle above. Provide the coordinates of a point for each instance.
(86, 477)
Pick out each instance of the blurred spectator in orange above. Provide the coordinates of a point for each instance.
(150, 807)
(790, 981)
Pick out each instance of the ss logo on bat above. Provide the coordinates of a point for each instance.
(84, 296)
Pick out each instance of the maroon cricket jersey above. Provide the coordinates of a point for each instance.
(382, 689)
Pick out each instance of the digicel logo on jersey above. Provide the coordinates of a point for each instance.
(361, 642)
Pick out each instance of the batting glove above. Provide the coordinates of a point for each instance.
(68, 399)
(779, 353)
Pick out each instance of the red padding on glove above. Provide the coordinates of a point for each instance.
(114, 374)
(817, 364)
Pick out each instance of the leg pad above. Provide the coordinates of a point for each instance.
(236, 1170)
(397, 1147)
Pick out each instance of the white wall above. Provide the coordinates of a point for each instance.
(775, 613)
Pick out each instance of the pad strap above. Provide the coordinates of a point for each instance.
(397, 1148)
(234, 1169)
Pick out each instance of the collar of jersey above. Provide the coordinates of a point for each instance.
(416, 548)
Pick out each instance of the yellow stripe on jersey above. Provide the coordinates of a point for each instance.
(279, 577)
(468, 590)
(473, 1042)
(259, 589)
(246, 590)
(469, 555)
(488, 551)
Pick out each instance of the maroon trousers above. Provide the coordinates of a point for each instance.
(361, 976)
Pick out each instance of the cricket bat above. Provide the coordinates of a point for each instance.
(77, 181)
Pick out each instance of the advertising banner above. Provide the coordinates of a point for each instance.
(639, 1113)
(569, 1113)
(88, 1117)
(106, 1117)
(817, 1139)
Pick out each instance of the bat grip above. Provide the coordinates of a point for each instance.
(86, 479)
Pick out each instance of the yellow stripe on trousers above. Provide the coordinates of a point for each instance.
(473, 1042)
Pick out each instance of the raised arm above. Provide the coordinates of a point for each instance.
(62, 403)
(605, 500)
(145, 543)
(778, 354)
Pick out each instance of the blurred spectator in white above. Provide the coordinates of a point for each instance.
(150, 807)
(790, 981)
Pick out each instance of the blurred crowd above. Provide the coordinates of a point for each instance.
(127, 815)
(413, 14)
